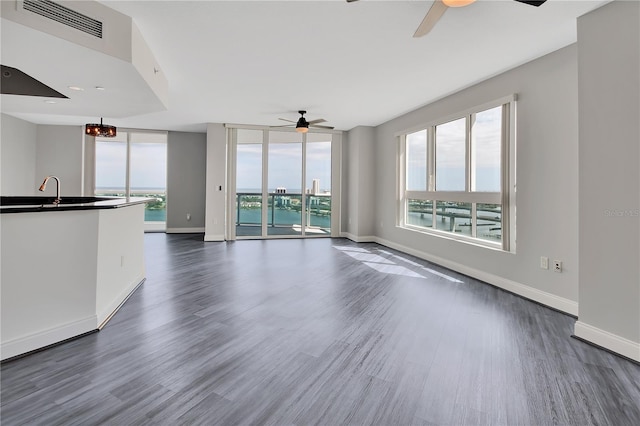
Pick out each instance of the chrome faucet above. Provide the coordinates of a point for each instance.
(44, 185)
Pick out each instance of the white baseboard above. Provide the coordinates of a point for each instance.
(185, 230)
(607, 340)
(358, 239)
(154, 227)
(44, 338)
(548, 299)
(107, 312)
(210, 237)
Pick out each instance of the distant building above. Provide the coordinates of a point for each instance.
(282, 202)
(315, 187)
(281, 190)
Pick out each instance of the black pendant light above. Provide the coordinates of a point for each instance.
(104, 130)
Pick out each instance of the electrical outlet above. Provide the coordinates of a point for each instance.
(188, 217)
(557, 266)
(544, 262)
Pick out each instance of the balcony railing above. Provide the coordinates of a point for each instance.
(283, 211)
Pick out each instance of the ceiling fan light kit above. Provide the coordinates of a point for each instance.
(438, 8)
(457, 3)
(302, 126)
(302, 129)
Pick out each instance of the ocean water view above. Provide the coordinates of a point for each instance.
(155, 211)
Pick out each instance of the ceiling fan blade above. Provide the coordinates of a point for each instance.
(433, 15)
(284, 119)
(320, 127)
(319, 120)
(284, 125)
(536, 3)
(349, 1)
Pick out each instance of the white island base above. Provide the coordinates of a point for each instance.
(64, 273)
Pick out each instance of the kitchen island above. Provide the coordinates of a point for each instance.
(65, 268)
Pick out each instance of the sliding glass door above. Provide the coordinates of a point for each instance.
(285, 184)
(282, 183)
(318, 184)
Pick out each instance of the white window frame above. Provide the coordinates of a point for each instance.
(506, 197)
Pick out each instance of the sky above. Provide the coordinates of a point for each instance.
(450, 154)
(148, 165)
(149, 159)
(285, 166)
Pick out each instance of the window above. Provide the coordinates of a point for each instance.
(457, 176)
(451, 155)
(134, 163)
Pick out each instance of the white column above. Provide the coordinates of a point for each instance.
(216, 182)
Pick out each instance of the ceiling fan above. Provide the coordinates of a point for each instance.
(302, 125)
(440, 6)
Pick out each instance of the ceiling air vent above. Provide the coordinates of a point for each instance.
(64, 15)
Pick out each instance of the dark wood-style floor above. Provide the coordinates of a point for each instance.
(319, 331)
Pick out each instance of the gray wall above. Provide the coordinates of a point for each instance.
(547, 177)
(186, 177)
(609, 159)
(60, 152)
(17, 153)
(360, 180)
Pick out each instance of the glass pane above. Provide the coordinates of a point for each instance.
(489, 222)
(148, 177)
(450, 156)
(486, 150)
(318, 185)
(249, 189)
(417, 161)
(284, 214)
(318, 214)
(453, 217)
(248, 214)
(111, 167)
(284, 183)
(420, 213)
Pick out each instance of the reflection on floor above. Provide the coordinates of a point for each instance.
(382, 263)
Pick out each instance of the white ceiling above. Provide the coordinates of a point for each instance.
(252, 62)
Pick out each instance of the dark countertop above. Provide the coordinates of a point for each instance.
(27, 204)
